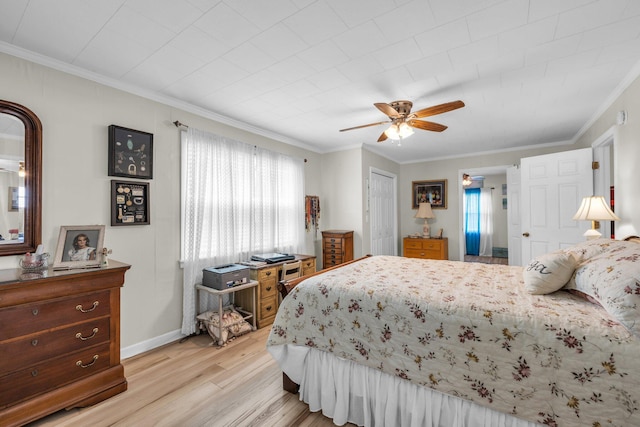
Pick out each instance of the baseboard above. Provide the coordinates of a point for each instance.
(150, 344)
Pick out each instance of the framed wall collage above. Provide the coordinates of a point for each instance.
(130, 156)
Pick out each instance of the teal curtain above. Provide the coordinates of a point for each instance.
(472, 221)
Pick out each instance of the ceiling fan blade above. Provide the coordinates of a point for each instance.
(387, 109)
(364, 126)
(437, 109)
(421, 124)
(383, 137)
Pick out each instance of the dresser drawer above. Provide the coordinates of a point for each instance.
(40, 378)
(268, 289)
(268, 306)
(331, 243)
(330, 261)
(267, 274)
(413, 244)
(308, 266)
(46, 345)
(27, 319)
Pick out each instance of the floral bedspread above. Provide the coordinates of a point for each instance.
(472, 331)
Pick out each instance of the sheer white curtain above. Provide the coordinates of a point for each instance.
(486, 222)
(237, 200)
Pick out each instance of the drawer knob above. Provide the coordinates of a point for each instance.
(268, 273)
(80, 337)
(34, 342)
(268, 308)
(79, 307)
(35, 311)
(268, 288)
(80, 364)
(34, 373)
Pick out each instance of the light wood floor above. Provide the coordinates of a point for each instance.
(195, 384)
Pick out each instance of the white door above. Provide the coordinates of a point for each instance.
(382, 210)
(552, 188)
(514, 220)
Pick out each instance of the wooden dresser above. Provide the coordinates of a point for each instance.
(59, 340)
(337, 247)
(267, 298)
(425, 248)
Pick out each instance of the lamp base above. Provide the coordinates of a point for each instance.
(592, 234)
(426, 230)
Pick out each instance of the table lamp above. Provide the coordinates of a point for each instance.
(424, 211)
(594, 209)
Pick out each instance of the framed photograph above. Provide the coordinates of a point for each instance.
(79, 246)
(434, 192)
(129, 203)
(14, 199)
(130, 153)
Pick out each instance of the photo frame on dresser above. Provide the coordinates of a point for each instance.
(129, 203)
(79, 246)
(130, 153)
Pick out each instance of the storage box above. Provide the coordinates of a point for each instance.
(225, 276)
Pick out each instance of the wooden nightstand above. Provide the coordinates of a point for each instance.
(425, 248)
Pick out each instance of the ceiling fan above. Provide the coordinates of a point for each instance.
(403, 120)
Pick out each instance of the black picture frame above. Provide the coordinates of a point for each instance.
(130, 153)
(129, 203)
(434, 192)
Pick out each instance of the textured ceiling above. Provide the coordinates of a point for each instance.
(529, 71)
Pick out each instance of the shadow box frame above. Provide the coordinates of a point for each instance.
(130, 203)
(130, 153)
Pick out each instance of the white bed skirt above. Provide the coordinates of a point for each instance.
(348, 392)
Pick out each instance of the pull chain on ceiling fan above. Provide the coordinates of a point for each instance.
(403, 120)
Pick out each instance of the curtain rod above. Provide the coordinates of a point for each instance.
(178, 124)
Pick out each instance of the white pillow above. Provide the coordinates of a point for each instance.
(549, 272)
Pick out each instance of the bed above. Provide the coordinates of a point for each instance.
(392, 341)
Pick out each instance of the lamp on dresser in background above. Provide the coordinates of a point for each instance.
(424, 211)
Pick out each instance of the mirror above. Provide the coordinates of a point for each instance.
(20, 179)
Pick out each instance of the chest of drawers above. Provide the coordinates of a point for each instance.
(59, 340)
(426, 248)
(337, 247)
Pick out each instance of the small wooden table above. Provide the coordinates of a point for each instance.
(253, 284)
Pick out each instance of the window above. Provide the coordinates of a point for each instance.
(237, 200)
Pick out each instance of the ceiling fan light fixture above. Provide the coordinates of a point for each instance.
(398, 131)
(392, 132)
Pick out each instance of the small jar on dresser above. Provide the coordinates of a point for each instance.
(337, 247)
(418, 247)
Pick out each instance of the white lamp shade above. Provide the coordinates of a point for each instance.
(424, 211)
(595, 208)
(400, 131)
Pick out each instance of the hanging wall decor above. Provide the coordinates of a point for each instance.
(312, 213)
(130, 153)
(129, 203)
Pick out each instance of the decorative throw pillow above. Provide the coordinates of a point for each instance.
(613, 279)
(233, 324)
(549, 272)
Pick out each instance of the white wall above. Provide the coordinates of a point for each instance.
(626, 157)
(75, 114)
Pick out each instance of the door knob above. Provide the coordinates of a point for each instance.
(525, 234)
